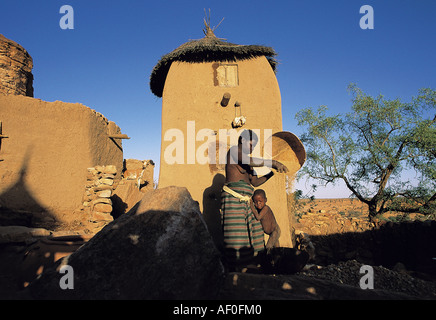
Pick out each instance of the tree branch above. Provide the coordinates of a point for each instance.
(353, 190)
(371, 151)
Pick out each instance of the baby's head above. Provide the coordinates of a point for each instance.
(259, 199)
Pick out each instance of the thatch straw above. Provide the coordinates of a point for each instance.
(208, 49)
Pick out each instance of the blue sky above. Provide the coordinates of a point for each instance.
(106, 60)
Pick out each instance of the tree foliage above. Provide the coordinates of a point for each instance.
(383, 150)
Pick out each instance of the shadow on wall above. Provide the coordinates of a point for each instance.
(212, 207)
(119, 207)
(18, 206)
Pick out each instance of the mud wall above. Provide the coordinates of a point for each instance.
(192, 101)
(50, 145)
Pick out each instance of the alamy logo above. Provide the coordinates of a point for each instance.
(183, 149)
(367, 21)
(67, 20)
(66, 281)
(367, 281)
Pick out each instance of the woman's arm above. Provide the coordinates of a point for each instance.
(257, 181)
(274, 164)
(236, 156)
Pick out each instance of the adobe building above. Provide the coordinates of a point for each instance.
(46, 147)
(211, 90)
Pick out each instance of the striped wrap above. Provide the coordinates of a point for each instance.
(240, 227)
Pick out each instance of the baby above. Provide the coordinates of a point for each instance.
(264, 213)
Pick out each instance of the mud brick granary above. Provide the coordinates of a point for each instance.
(211, 90)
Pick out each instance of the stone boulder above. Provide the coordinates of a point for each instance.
(161, 249)
(15, 69)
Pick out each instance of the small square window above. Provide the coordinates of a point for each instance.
(227, 75)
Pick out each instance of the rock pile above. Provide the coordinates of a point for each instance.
(97, 203)
(140, 171)
(15, 69)
(348, 273)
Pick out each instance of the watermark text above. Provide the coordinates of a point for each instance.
(67, 20)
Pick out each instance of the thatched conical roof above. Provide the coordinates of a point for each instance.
(208, 49)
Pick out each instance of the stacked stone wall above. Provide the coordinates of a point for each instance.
(16, 65)
(101, 181)
(108, 195)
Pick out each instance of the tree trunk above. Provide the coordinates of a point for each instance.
(372, 208)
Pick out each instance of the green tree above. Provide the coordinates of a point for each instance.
(372, 148)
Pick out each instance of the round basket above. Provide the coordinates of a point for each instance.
(286, 148)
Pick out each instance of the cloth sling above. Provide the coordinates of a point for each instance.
(240, 227)
(241, 198)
